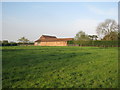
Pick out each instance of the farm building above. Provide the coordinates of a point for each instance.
(46, 40)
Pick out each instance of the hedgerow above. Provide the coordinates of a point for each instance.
(95, 43)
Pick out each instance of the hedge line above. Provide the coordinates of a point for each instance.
(96, 43)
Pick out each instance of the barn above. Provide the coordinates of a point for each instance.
(46, 40)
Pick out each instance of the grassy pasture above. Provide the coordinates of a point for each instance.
(59, 67)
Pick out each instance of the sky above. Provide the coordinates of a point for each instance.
(61, 19)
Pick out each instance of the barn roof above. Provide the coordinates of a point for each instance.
(50, 40)
(49, 36)
(53, 38)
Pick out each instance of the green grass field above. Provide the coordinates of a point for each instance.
(59, 67)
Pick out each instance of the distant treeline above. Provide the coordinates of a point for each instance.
(95, 43)
(16, 44)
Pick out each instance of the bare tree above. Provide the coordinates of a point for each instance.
(106, 27)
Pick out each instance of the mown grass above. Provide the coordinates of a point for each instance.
(59, 67)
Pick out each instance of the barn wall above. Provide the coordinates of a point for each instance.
(58, 43)
(36, 43)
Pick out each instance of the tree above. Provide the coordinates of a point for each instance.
(118, 35)
(0, 43)
(5, 41)
(23, 40)
(105, 28)
(93, 37)
(111, 36)
(81, 38)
